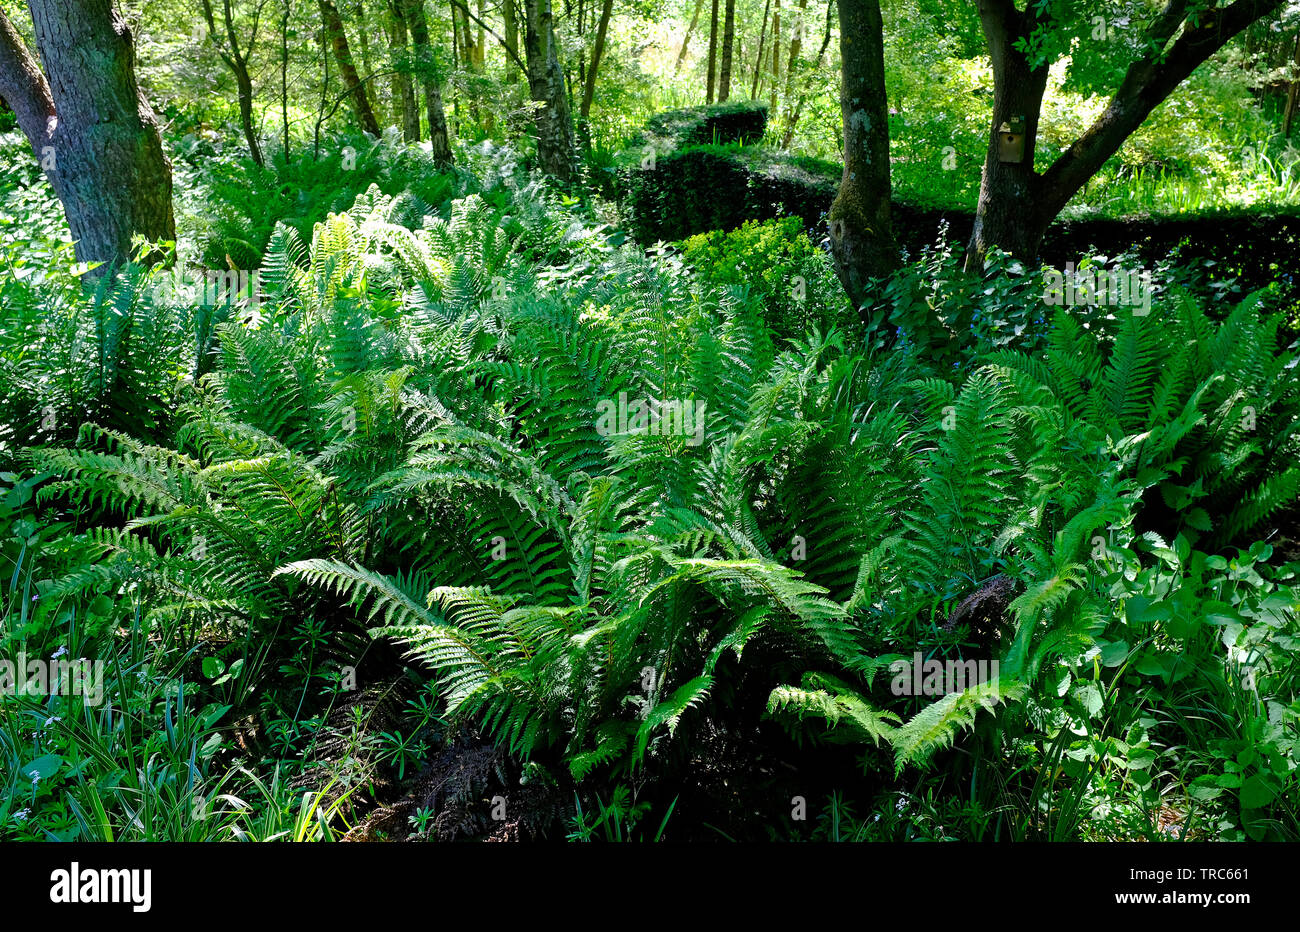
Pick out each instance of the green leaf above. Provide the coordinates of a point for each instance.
(1114, 653)
(1089, 696)
(1257, 792)
(43, 768)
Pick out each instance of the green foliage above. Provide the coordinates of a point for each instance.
(780, 264)
(298, 192)
(423, 432)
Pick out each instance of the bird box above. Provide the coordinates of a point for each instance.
(1011, 140)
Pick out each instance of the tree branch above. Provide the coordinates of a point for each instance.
(509, 51)
(24, 87)
(1146, 85)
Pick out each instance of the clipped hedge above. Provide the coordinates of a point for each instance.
(741, 122)
(697, 189)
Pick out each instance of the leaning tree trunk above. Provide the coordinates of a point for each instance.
(237, 61)
(686, 40)
(439, 138)
(94, 132)
(546, 86)
(861, 231)
(597, 52)
(356, 91)
(797, 110)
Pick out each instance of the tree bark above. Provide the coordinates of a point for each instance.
(1016, 205)
(357, 96)
(403, 86)
(597, 50)
(93, 129)
(861, 231)
(728, 39)
(436, 116)
(1007, 212)
(758, 58)
(511, 40)
(546, 86)
(713, 52)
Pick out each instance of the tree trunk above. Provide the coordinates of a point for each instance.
(356, 91)
(284, 74)
(1008, 213)
(776, 57)
(403, 86)
(546, 86)
(686, 40)
(791, 64)
(88, 123)
(728, 39)
(1292, 96)
(597, 50)
(861, 232)
(797, 110)
(758, 58)
(713, 51)
(367, 61)
(480, 41)
(1016, 205)
(439, 140)
(511, 40)
(237, 61)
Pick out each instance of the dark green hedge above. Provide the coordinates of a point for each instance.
(701, 188)
(742, 122)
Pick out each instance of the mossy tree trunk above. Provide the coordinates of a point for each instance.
(713, 52)
(511, 19)
(861, 231)
(728, 41)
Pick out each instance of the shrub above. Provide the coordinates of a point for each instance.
(782, 267)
